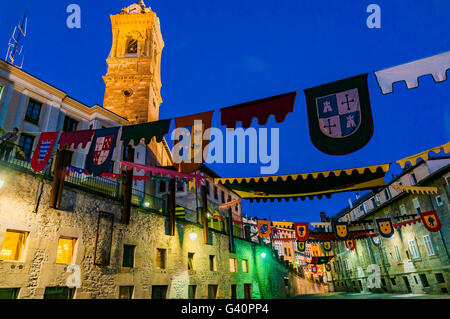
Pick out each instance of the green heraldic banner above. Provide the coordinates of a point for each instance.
(340, 116)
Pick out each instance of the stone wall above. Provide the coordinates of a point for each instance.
(24, 207)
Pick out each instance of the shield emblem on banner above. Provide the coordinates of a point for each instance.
(328, 267)
(264, 229)
(327, 246)
(314, 269)
(102, 148)
(376, 241)
(385, 227)
(43, 151)
(431, 221)
(350, 244)
(301, 231)
(339, 114)
(341, 230)
(301, 245)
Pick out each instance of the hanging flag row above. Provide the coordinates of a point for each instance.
(103, 141)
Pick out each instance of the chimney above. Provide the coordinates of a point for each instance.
(350, 202)
(357, 196)
(323, 217)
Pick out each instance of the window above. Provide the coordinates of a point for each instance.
(132, 46)
(393, 282)
(9, 293)
(64, 254)
(190, 261)
(439, 278)
(180, 187)
(439, 201)
(413, 248)
(126, 292)
(244, 265)
(33, 111)
(59, 293)
(212, 291)
(428, 245)
(26, 145)
(159, 292)
(222, 196)
(366, 207)
(413, 179)
(416, 205)
(70, 124)
(383, 282)
(216, 195)
(212, 263)
(378, 198)
(247, 291)
(374, 203)
(233, 265)
(397, 253)
(207, 188)
(387, 194)
(191, 291)
(424, 280)
(13, 245)
(354, 215)
(162, 187)
(128, 256)
(161, 258)
(234, 291)
(110, 168)
(361, 209)
(403, 210)
(1, 94)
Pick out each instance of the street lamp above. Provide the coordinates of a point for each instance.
(193, 236)
(147, 204)
(1, 183)
(263, 255)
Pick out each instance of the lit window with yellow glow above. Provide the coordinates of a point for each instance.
(13, 245)
(64, 255)
(233, 265)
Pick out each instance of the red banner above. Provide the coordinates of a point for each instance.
(301, 231)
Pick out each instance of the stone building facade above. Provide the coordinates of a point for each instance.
(414, 260)
(144, 262)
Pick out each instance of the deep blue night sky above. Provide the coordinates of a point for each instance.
(220, 53)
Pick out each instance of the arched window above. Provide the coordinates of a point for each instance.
(132, 46)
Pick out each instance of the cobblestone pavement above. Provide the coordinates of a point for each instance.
(349, 295)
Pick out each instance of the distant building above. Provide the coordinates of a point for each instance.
(413, 260)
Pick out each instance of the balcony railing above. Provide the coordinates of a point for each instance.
(97, 185)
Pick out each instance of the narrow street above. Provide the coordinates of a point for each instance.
(350, 295)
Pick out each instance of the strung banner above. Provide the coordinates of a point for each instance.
(101, 151)
(410, 72)
(320, 260)
(376, 240)
(416, 189)
(301, 231)
(385, 227)
(188, 153)
(327, 246)
(232, 204)
(301, 246)
(340, 116)
(424, 155)
(408, 222)
(264, 229)
(145, 131)
(75, 138)
(341, 230)
(279, 106)
(43, 151)
(328, 267)
(314, 269)
(304, 185)
(163, 172)
(350, 244)
(431, 221)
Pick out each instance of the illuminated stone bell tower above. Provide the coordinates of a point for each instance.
(133, 80)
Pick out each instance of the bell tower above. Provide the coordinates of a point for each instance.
(133, 80)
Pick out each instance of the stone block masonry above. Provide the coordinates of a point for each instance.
(24, 208)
